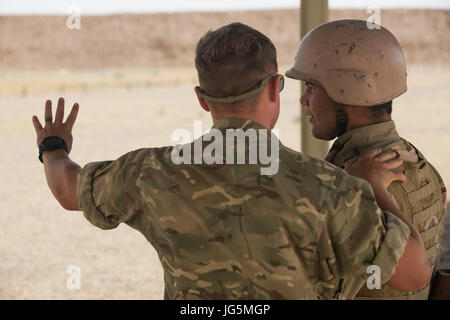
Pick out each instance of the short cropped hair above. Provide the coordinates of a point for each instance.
(381, 110)
(233, 59)
(376, 112)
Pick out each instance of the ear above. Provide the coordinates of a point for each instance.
(202, 101)
(274, 84)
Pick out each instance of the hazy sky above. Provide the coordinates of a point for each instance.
(135, 6)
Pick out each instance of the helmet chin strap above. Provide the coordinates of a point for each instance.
(341, 119)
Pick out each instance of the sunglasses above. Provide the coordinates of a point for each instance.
(259, 87)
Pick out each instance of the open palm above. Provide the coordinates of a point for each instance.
(57, 127)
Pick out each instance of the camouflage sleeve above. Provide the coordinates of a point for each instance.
(361, 235)
(107, 190)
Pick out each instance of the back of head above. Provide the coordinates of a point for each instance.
(233, 59)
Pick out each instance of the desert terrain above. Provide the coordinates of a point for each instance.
(133, 77)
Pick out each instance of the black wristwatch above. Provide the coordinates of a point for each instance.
(52, 143)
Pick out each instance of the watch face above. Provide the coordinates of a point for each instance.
(52, 143)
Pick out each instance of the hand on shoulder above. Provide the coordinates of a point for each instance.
(376, 168)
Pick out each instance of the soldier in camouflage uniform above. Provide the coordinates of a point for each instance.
(226, 231)
(352, 73)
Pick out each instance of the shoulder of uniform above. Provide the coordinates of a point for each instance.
(156, 155)
(327, 176)
(143, 158)
(302, 158)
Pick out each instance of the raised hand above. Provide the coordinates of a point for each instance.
(57, 127)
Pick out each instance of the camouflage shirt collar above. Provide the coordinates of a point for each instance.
(360, 140)
(237, 123)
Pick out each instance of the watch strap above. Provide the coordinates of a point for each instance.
(60, 144)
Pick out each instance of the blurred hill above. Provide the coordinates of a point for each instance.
(168, 40)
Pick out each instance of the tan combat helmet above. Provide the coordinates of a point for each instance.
(356, 65)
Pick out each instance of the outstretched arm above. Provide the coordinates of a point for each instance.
(60, 171)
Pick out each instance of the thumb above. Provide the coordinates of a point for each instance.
(37, 125)
(398, 176)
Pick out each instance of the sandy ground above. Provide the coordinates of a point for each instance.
(40, 240)
(133, 77)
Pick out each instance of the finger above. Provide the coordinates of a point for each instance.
(372, 153)
(59, 116)
(386, 156)
(397, 150)
(398, 176)
(37, 124)
(72, 116)
(392, 164)
(48, 112)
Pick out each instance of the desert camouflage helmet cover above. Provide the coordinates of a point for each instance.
(356, 65)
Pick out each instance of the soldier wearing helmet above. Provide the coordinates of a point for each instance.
(352, 74)
(225, 231)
